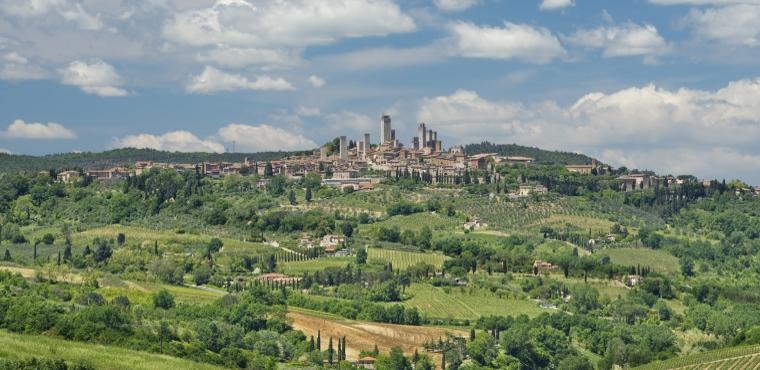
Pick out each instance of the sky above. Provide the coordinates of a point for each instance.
(667, 85)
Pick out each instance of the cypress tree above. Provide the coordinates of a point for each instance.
(330, 351)
(319, 341)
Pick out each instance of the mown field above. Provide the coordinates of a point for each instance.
(404, 259)
(465, 303)
(364, 335)
(738, 358)
(19, 346)
(300, 267)
(660, 261)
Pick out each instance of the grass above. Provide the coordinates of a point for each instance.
(745, 357)
(19, 346)
(466, 303)
(300, 267)
(404, 259)
(660, 261)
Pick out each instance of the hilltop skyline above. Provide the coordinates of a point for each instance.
(667, 85)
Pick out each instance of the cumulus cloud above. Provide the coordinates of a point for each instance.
(308, 111)
(454, 5)
(250, 138)
(263, 138)
(555, 4)
(624, 127)
(734, 25)
(286, 23)
(316, 81)
(13, 66)
(212, 80)
(621, 41)
(96, 78)
(67, 10)
(174, 141)
(37, 131)
(513, 41)
(243, 57)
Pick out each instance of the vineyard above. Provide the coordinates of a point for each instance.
(659, 261)
(414, 222)
(737, 358)
(297, 268)
(403, 259)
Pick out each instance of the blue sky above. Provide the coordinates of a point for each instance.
(668, 85)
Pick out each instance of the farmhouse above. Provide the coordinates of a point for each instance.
(366, 362)
(583, 169)
(633, 280)
(68, 177)
(277, 277)
(331, 242)
(527, 190)
(542, 266)
(518, 160)
(475, 224)
(114, 173)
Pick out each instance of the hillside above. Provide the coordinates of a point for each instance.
(121, 157)
(540, 155)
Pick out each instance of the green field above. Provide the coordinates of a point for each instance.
(436, 302)
(660, 261)
(404, 259)
(18, 346)
(727, 358)
(414, 222)
(299, 267)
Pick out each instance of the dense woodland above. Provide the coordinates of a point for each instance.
(195, 246)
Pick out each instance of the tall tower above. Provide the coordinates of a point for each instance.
(385, 129)
(429, 140)
(343, 149)
(422, 135)
(366, 145)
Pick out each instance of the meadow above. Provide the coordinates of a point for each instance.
(659, 260)
(21, 346)
(465, 303)
(298, 268)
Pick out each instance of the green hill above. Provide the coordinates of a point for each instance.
(19, 346)
(540, 155)
(121, 157)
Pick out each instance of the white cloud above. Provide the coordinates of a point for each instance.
(555, 4)
(263, 138)
(513, 41)
(174, 141)
(454, 5)
(212, 80)
(316, 81)
(68, 10)
(243, 57)
(646, 127)
(97, 78)
(386, 57)
(286, 23)
(38, 131)
(621, 41)
(246, 137)
(13, 66)
(308, 111)
(734, 25)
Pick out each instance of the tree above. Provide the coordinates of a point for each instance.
(395, 360)
(202, 275)
(482, 349)
(163, 332)
(67, 253)
(330, 351)
(348, 229)
(121, 238)
(292, 197)
(48, 239)
(307, 196)
(271, 263)
(687, 267)
(163, 299)
(361, 256)
(102, 252)
(319, 341)
(7, 256)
